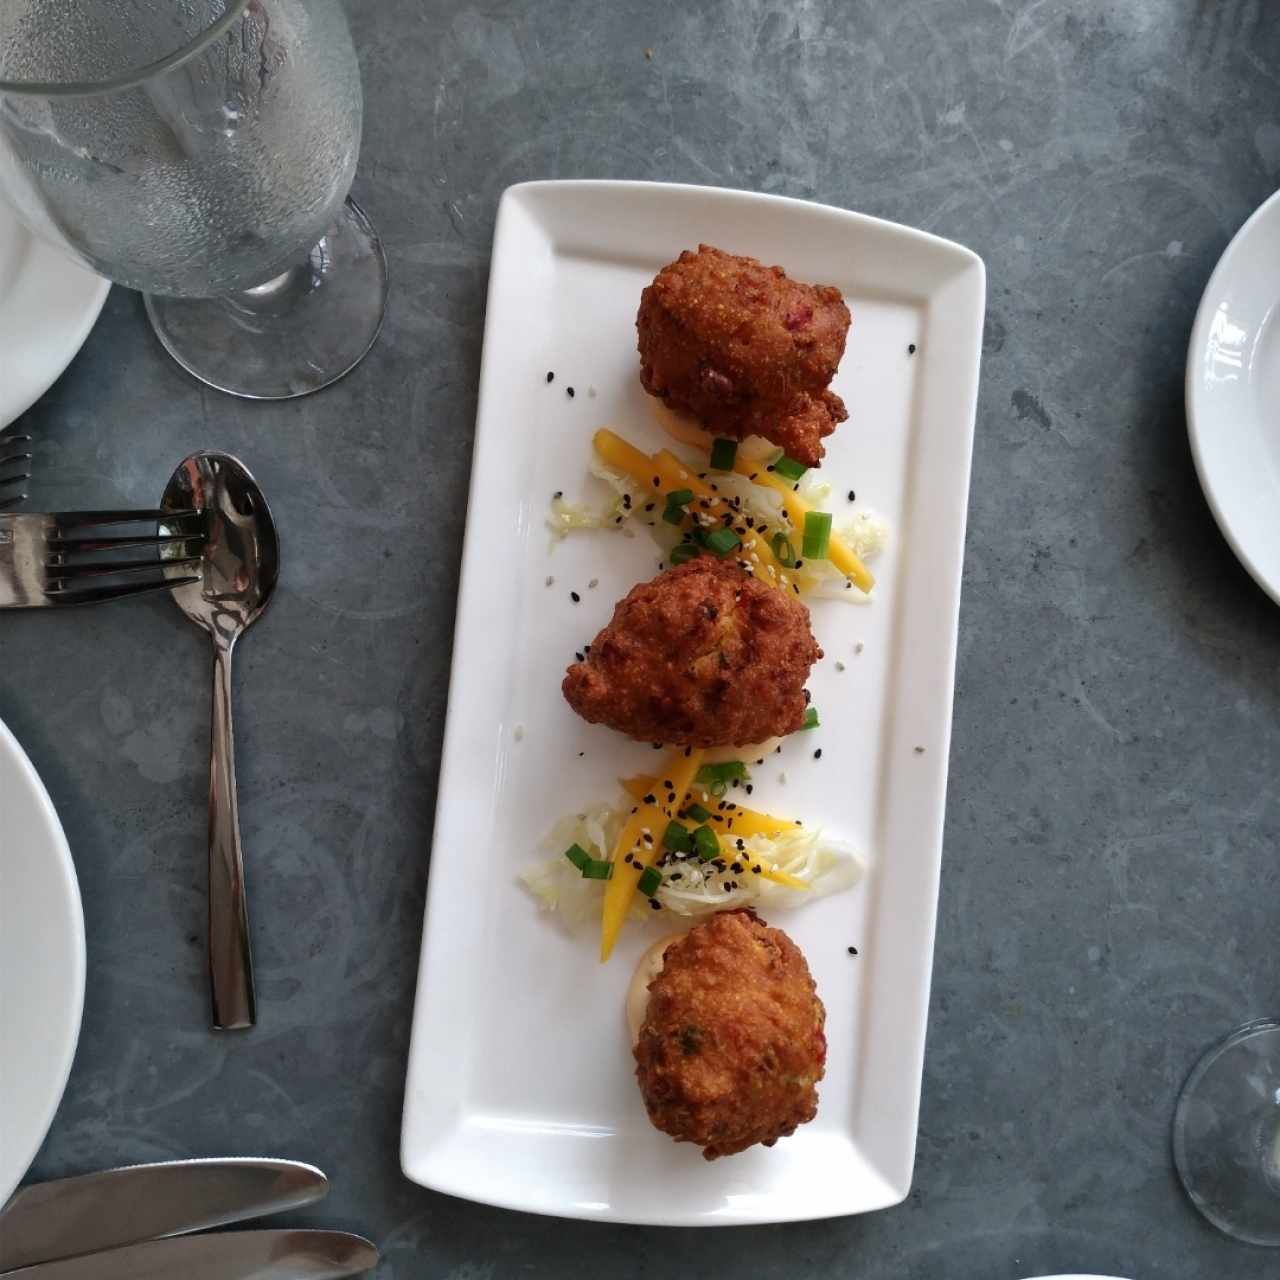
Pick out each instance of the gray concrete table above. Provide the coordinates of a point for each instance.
(1110, 900)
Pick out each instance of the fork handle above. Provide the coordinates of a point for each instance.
(230, 961)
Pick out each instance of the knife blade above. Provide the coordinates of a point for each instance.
(224, 1255)
(51, 1220)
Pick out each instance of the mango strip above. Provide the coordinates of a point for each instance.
(620, 888)
(839, 552)
(671, 475)
(746, 822)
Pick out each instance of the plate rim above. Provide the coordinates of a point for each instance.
(41, 259)
(1193, 395)
(963, 263)
(11, 750)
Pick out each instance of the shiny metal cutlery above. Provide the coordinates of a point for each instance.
(239, 570)
(223, 1255)
(69, 1216)
(54, 558)
(15, 468)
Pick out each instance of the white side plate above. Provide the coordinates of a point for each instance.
(41, 963)
(1233, 395)
(48, 304)
(520, 1086)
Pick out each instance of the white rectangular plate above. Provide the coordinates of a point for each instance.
(520, 1086)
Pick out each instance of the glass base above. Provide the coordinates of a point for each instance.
(289, 336)
(1226, 1134)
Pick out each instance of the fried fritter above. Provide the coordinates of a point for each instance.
(703, 655)
(744, 349)
(732, 1045)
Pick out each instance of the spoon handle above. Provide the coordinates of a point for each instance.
(230, 961)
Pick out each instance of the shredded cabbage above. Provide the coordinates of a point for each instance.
(565, 516)
(827, 866)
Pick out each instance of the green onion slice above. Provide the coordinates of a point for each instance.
(650, 881)
(597, 869)
(783, 552)
(681, 552)
(789, 468)
(578, 856)
(817, 534)
(698, 813)
(810, 718)
(677, 838)
(705, 842)
(721, 541)
(679, 497)
(725, 771)
(723, 455)
(673, 514)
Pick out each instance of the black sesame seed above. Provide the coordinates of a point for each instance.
(749, 787)
(580, 657)
(575, 597)
(582, 753)
(651, 798)
(655, 904)
(911, 348)
(853, 951)
(817, 755)
(559, 493)
(569, 392)
(648, 506)
(853, 497)
(551, 377)
(756, 868)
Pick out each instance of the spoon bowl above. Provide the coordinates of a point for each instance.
(241, 549)
(240, 563)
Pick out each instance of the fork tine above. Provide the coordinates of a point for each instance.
(70, 546)
(10, 458)
(85, 519)
(12, 502)
(17, 478)
(109, 568)
(96, 595)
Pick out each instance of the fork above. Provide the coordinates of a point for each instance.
(37, 569)
(15, 463)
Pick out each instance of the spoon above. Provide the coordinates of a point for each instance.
(241, 562)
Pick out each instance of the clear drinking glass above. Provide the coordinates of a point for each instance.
(202, 151)
(1226, 1133)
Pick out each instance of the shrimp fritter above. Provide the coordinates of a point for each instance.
(744, 349)
(703, 655)
(732, 1045)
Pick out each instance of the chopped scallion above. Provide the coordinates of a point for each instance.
(724, 771)
(783, 552)
(721, 541)
(679, 497)
(673, 514)
(681, 552)
(578, 856)
(817, 534)
(698, 813)
(723, 454)
(677, 838)
(705, 842)
(810, 718)
(597, 869)
(789, 468)
(650, 881)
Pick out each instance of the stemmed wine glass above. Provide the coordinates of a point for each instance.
(202, 152)
(1226, 1133)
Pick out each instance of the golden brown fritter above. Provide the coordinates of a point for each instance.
(703, 655)
(732, 1045)
(744, 349)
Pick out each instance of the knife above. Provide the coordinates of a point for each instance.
(224, 1255)
(51, 1220)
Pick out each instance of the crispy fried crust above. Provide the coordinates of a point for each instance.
(703, 655)
(744, 349)
(732, 1045)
